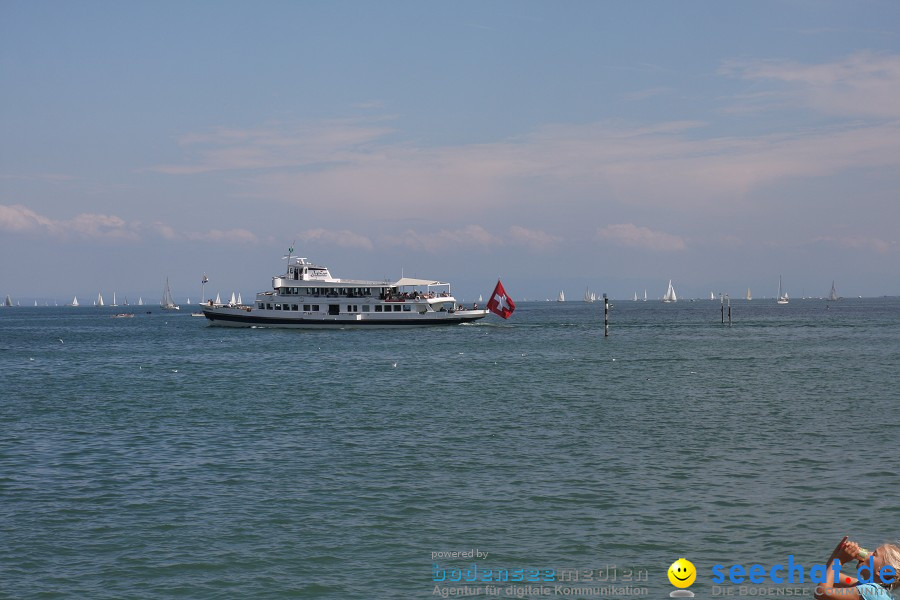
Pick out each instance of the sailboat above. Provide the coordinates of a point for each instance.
(480, 299)
(782, 297)
(670, 294)
(8, 301)
(99, 299)
(241, 302)
(712, 296)
(635, 297)
(167, 302)
(589, 296)
(833, 295)
(140, 301)
(233, 299)
(75, 301)
(749, 297)
(114, 300)
(561, 297)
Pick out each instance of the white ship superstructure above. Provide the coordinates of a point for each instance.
(307, 296)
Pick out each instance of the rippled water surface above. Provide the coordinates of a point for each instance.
(158, 457)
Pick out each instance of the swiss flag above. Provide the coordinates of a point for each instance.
(500, 304)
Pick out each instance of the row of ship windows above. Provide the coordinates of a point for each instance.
(333, 292)
(349, 307)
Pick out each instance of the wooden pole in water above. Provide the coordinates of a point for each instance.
(729, 310)
(722, 302)
(605, 316)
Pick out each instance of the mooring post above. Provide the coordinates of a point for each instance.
(605, 316)
(722, 302)
(729, 310)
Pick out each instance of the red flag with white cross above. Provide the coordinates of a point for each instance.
(500, 304)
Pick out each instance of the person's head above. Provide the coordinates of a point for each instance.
(887, 554)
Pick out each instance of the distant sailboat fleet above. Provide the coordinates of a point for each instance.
(168, 303)
(670, 296)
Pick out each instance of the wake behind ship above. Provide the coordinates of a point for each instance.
(307, 296)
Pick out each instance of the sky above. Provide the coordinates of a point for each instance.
(554, 145)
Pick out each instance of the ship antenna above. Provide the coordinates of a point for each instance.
(290, 252)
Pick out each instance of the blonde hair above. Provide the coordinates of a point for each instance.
(890, 554)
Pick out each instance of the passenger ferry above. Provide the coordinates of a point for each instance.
(307, 296)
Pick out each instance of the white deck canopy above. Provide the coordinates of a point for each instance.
(409, 281)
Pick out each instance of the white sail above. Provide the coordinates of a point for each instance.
(140, 301)
(8, 301)
(167, 301)
(833, 295)
(188, 301)
(589, 296)
(635, 297)
(670, 294)
(218, 299)
(241, 301)
(75, 301)
(561, 297)
(782, 297)
(233, 299)
(749, 297)
(712, 296)
(480, 299)
(114, 300)
(645, 295)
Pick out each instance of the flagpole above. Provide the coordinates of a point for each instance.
(290, 254)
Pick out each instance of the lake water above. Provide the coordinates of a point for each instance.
(158, 457)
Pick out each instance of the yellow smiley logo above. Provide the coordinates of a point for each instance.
(682, 573)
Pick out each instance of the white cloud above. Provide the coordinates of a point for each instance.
(858, 243)
(101, 226)
(20, 219)
(359, 167)
(533, 238)
(218, 235)
(472, 235)
(632, 236)
(661, 165)
(343, 238)
(274, 146)
(864, 84)
(164, 230)
(445, 239)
